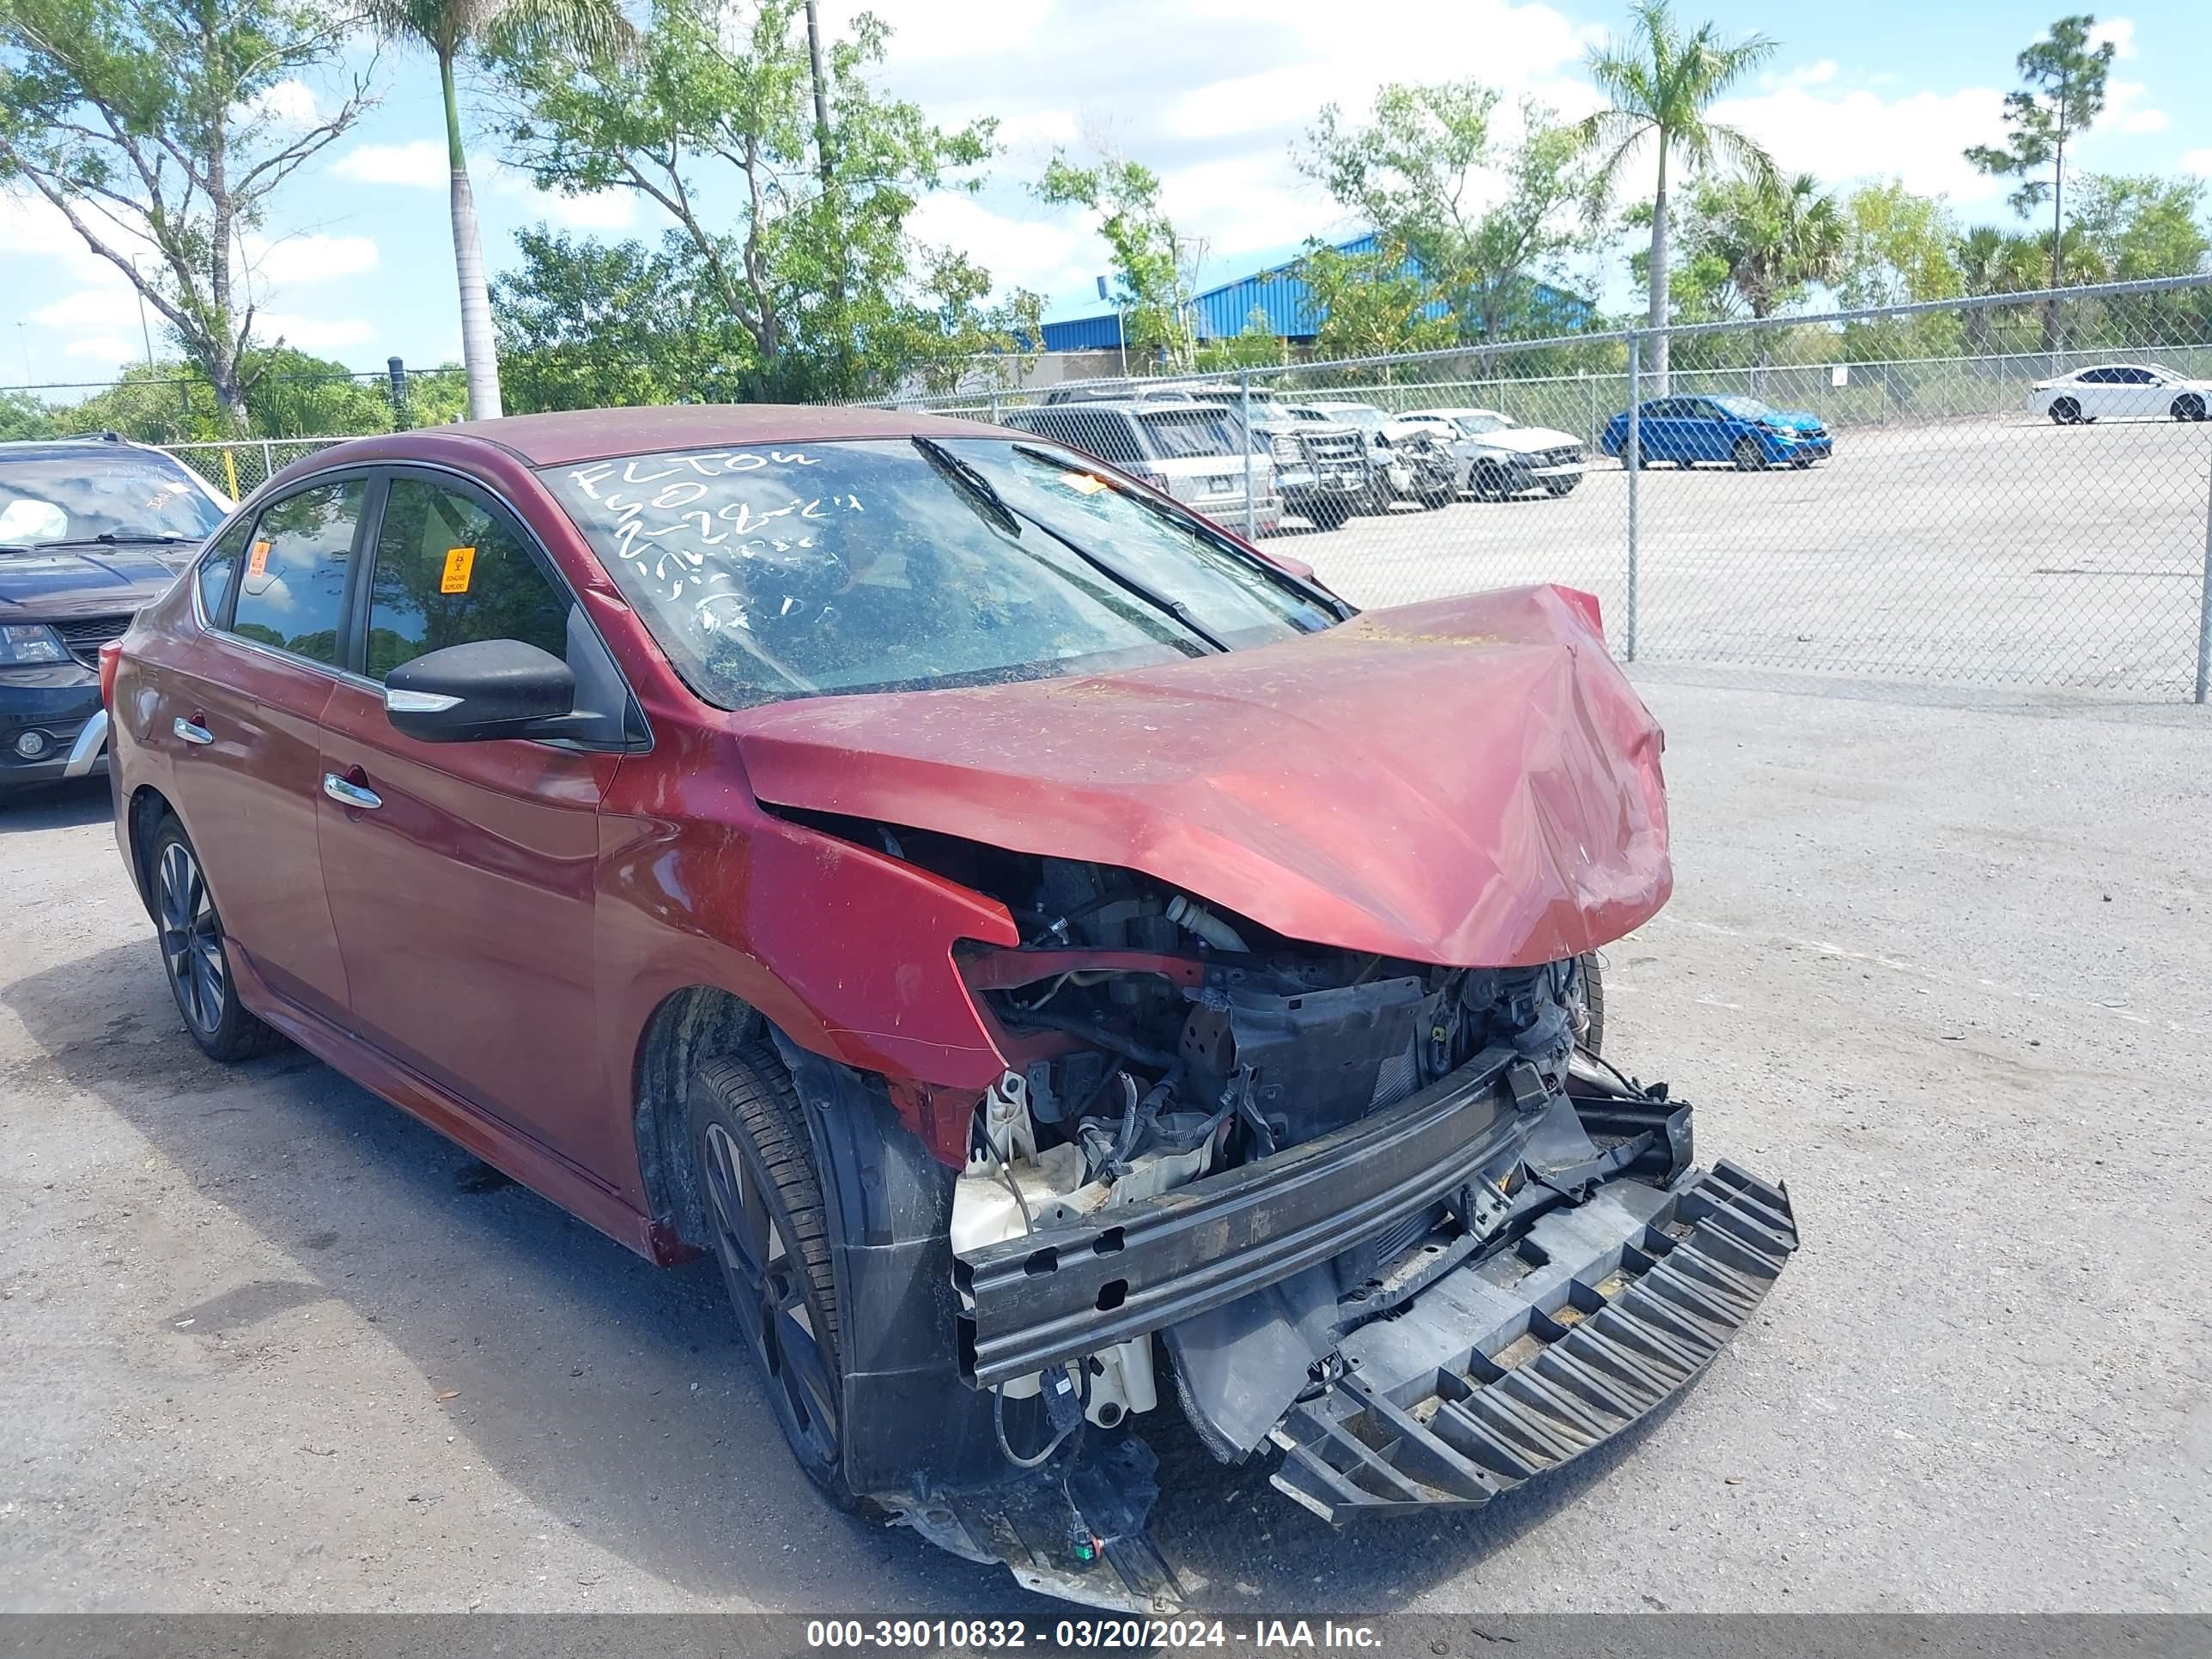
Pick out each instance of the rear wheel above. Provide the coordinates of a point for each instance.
(1330, 512)
(194, 957)
(2064, 412)
(1748, 455)
(2188, 407)
(770, 1230)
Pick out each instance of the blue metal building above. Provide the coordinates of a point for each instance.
(1286, 303)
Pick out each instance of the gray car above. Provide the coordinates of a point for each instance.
(1196, 452)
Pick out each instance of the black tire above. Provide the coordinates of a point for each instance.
(2065, 411)
(1558, 486)
(195, 959)
(1590, 981)
(2188, 407)
(1437, 497)
(754, 1165)
(1747, 456)
(1330, 512)
(1486, 483)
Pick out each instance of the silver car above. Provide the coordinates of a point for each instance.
(1196, 452)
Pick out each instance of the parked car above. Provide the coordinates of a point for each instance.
(1194, 452)
(1404, 462)
(1034, 942)
(1321, 465)
(2107, 391)
(1745, 433)
(91, 528)
(1502, 459)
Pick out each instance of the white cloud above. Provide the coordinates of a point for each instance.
(1921, 137)
(2198, 161)
(104, 348)
(1042, 256)
(109, 306)
(2120, 31)
(2125, 110)
(420, 164)
(1804, 75)
(289, 103)
(309, 258)
(313, 333)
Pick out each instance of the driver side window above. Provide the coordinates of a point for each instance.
(451, 569)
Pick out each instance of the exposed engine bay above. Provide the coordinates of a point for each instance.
(1397, 1220)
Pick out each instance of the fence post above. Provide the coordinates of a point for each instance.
(268, 460)
(1633, 454)
(1251, 508)
(2204, 613)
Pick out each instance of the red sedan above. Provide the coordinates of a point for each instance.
(1065, 965)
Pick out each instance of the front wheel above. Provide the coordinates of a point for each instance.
(1556, 487)
(1330, 512)
(769, 1229)
(1748, 455)
(2190, 407)
(194, 957)
(1586, 1004)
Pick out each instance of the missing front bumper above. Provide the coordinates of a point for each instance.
(1511, 1366)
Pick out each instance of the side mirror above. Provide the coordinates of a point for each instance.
(483, 690)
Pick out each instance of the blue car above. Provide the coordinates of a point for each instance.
(1743, 431)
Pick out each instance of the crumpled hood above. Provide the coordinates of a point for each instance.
(53, 584)
(1795, 420)
(1526, 440)
(1470, 782)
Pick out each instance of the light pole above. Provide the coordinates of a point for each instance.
(144, 333)
(1120, 328)
(23, 340)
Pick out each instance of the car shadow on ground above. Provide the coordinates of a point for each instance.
(610, 1393)
(55, 806)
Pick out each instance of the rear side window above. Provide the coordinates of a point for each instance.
(218, 574)
(1103, 433)
(1189, 434)
(451, 569)
(292, 593)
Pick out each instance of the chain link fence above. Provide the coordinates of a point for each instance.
(241, 466)
(2015, 491)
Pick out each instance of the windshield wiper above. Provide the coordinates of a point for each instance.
(964, 478)
(1273, 573)
(125, 538)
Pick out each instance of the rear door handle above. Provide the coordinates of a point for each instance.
(191, 731)
(350, 794)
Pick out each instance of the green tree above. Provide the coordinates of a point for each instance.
(590, 324)
(1256, 345)
(453, 31)
(2063, 94)
(829, 294)
(2141, 226)
(1368, 304)
(1154, 265)
(1989, 262)
(1897, 250)
(22, 415)
(160, 130)
(1661, 83)
(1422, 169)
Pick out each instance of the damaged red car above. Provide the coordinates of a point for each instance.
(1068, 967)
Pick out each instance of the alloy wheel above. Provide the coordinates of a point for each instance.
(191, 939)
(768, 1289)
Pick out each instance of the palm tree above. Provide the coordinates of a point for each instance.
(1785, 234)
(449, 30)
(1661, 83)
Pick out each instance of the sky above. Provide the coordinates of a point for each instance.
(357, 264)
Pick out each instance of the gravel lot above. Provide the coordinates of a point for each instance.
(1983, 552)
(1944, 963)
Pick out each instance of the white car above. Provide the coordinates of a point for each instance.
(1505, 458)
(2106, 390)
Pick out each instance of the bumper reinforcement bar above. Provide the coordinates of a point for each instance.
(1585, 1336)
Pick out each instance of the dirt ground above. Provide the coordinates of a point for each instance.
(1943, 963)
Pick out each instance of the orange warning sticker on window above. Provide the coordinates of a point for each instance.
(256, 562)
(1083, 483)
(460, 561)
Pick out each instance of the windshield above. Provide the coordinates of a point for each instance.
(1190, 432)
(772, 572)
(130, 494)
(1749, 409)
(1359, 415)
(1482, 420)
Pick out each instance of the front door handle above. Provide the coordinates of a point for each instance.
(191, 731)
(350, 794)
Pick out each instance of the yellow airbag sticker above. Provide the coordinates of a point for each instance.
(257, 563)
(1083, 483)
(461, 563)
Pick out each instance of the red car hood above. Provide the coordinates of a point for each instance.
(1470, 782)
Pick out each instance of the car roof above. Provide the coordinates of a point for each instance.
(1467, 409)
(592, 434)
(76, 445)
